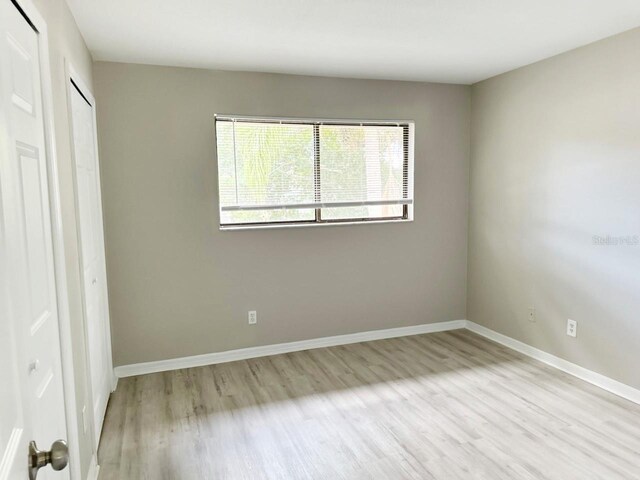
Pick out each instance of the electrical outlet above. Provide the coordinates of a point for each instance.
(572, 328)
(532, 314)
(253, 317)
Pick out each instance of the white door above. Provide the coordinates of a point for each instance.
(92, 244)
(31, 390)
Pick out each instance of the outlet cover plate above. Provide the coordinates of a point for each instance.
(572, 328)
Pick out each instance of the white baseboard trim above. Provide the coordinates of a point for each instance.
(266, 350)
(606, 383)
(94, 469)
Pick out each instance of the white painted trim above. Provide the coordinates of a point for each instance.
(228, 117)
(311, 224)
(606, 383)
(57, 235)
(94, 469)
(266, 350)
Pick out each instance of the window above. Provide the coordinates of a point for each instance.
(294, 171)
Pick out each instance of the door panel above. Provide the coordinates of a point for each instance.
(21, 92)
(33, 408)
(92, 246)
(31, 183)
(13, 431)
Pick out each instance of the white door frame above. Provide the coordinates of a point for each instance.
(71, 74)
(64, 317)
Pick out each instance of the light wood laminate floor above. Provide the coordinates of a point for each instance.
(440, 406)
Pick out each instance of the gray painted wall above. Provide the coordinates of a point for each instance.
(180, 287)
(555, 162)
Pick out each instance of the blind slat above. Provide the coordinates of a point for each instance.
(234, 208)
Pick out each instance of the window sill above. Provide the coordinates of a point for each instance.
(266, 226)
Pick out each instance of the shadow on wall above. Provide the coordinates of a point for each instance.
(568, 244)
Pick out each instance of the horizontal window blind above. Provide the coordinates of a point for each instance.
(273, 164)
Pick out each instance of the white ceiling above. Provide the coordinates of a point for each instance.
(458, 41)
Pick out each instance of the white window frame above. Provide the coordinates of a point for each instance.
(318, 221)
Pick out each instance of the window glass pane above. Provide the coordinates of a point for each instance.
(361, 163)
(270, 164)
(264, 163)
(378, 211)
(267, 216)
